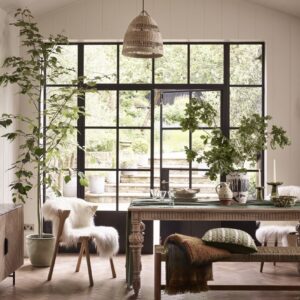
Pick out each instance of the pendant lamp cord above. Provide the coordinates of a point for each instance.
(143, 5)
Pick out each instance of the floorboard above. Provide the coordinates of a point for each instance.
(31, 282)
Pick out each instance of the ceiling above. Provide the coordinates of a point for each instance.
(39, 7)
(291, 7)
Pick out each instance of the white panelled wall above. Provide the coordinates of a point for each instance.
(208, 20)
(9, 103)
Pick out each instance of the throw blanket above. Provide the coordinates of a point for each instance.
(189, 264)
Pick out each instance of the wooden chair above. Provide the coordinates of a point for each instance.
(84, 241)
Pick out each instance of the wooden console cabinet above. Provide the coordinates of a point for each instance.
(11, 239)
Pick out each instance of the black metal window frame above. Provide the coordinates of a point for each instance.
(224, 88)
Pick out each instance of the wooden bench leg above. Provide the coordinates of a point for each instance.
(81, 253)
(157, 275)
(262, 263)
(112, 266)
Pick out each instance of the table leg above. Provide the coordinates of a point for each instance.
(136, 239)
(298, 241)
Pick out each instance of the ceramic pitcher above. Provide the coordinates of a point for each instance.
(223, 190)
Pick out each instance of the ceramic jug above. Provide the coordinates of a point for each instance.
(223, 190)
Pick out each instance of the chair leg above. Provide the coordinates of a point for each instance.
(262, 263)
(53, 260)
(112, 268)
(276, 245)
(81, 253)
(88, 261)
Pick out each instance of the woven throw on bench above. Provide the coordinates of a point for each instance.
(189, 264)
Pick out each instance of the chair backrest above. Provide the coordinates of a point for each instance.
(81, 215)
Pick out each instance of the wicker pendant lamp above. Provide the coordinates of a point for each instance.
(143, 38)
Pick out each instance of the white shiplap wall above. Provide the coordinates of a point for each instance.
(208, 20)
(9, 45)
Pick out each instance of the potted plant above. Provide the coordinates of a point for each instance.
(229, 156)
(40, 147)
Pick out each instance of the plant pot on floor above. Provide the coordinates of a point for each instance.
(40, 249)
(239, 184)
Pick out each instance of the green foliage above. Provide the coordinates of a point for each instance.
(226, 155)
(40, 149)
(140, 146)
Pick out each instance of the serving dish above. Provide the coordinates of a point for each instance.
(284, 201)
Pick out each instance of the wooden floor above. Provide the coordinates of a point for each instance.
(31, 282)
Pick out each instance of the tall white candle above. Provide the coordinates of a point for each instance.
(274, 170)
(259, 177)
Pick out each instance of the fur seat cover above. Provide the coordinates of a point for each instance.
(81, 223)
(269, 230)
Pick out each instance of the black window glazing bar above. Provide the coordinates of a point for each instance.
(225, 104)
(80, 125)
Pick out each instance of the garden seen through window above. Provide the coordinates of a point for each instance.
(131, 132)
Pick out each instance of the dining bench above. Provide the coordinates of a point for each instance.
(264, 254)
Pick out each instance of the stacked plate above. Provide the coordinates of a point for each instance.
(188, 195)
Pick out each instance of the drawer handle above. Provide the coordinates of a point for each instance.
(5, 246)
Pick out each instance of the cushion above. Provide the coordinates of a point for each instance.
(233, 240)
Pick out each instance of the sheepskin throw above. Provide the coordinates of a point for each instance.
(81, 223)
(267, 233)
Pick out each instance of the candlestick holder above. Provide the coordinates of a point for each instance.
(259, 193)
(274, 191)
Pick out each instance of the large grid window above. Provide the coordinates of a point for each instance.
(131, 134)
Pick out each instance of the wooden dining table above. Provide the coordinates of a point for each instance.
(143, 210)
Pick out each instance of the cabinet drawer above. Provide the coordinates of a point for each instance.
(14, 240)
(2, 239)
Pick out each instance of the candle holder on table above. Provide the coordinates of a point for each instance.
(259, 193)
(274, 191)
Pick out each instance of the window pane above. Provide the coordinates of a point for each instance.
(133, 185)
(244, 102)
(67, 160)
(68, 113)
(245, 64)
(178, 179)
(101, 61)
(206, 186)
(174, 142)
(214, 98)
(67, 59)
(172, 67)
(207, 63)
(135, 108)
(134, 148)
(199, 147)
(101, 108)
(100, 148)
(134, 70)
(173, 108)
(101, 189)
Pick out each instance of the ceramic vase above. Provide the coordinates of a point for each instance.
(239, 184)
